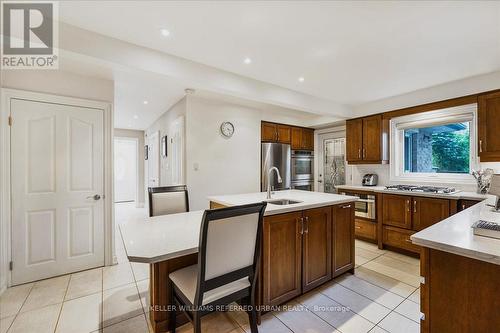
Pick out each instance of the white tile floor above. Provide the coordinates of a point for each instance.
(382, 296)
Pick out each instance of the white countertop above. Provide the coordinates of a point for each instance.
(455, 234)
(381, 189)
(159, 238)
(308, 200)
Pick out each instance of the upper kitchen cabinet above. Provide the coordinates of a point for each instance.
(271, 132)
(367, 140)
(302, 138)
(489, 127)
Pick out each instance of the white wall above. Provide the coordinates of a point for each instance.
(163, 125)
(139, 135)
(56, 82)
(468, 86)
(59, 82)
(225, 166)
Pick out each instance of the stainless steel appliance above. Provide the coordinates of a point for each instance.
(370, 179)
(366, 205)
(275, 155)
(302, 165)
(305, 185)
(426, 189)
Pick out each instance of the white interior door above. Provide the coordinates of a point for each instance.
(154, 159)
(57, 188)
(125, 162)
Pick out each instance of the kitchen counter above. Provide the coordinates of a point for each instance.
(160, 238)
(455, 235)
(308, 200)
(464, 195)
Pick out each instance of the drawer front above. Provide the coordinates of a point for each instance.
(399, 238)
(365, 229)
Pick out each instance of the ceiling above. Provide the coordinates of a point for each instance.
(348, 52)
(131, 89)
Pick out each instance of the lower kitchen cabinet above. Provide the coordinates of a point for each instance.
(428, 211)
(343, 238)
(399, 238)
(316, 247)
(396, 210)
(302, 250)
(464, 204)
(282, 257)
(366, 230)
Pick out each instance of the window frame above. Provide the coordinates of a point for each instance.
(456, 114)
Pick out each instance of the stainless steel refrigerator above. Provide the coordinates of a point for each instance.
(278, 155)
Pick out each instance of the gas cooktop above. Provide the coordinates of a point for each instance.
(426, 189)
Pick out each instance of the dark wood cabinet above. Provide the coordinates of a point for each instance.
(343, 238)
(301, 249)
(316, 247)
(396, 210)
(366, 230)
(489, 127)
(399, 238)
(282, 257)
(283, 133)
(464, 204)
(302, 138)
(367, 140)
(354, 140)
(428, 211)
(372, 136)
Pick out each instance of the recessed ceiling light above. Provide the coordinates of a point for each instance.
(165, 32)
(145, 102)
(301, 79)
(247, 60)
(136, 117)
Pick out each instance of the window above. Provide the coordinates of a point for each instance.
(437, 144)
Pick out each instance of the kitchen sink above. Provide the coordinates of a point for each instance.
(283, 202)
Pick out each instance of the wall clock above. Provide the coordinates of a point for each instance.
(227, 129)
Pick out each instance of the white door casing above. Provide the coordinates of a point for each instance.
(126, 165)
(154, 159)
(57, 167)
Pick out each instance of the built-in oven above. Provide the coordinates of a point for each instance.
(365, 206)
(305, 185)
(302, 165)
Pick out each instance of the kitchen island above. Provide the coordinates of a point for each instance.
(461, 274)
(307, 241)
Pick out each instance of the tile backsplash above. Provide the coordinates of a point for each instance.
(355, 174)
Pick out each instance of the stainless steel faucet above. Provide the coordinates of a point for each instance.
(269, 180)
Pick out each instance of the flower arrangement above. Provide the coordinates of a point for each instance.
(483, 179)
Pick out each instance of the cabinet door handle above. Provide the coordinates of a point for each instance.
(480, 146)
(364, 153)
(463, 206)
(408, 205)
(301, 226)
(414, 206)
(359, 153)
(346, 206)
(357, 227)
(307, 225)
(277, 136)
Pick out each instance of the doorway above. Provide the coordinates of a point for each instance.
(57, 163)
(331, 161)
(126, 169)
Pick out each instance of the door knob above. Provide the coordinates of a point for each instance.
(95, 197)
